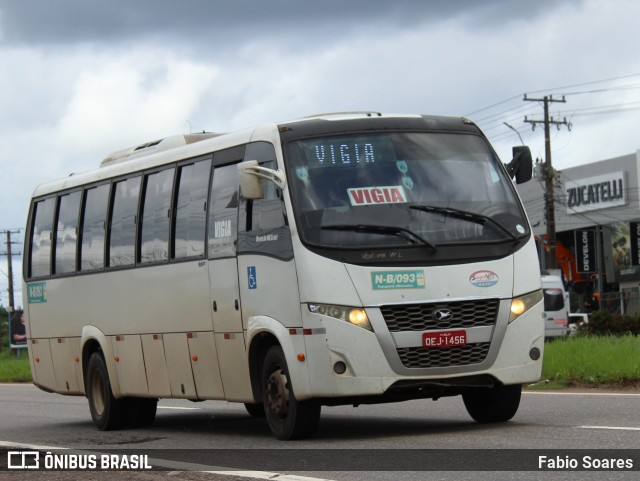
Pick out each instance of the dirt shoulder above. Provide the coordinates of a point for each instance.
(631, 387)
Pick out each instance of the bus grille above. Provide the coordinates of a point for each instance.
(422, 317)
(419, 357)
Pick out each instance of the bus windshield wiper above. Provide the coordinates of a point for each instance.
(382, 229)
(466, 215)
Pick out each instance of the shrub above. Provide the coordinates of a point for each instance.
(603, 322)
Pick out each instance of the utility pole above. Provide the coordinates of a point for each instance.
(9, 255)
(549, 174)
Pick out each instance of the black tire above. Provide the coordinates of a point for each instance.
(287, 417)
(141, 411)
(493, 405)
(107, 412)
(255, 410)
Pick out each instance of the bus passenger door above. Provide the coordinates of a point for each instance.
(223, 279)
(267, 275)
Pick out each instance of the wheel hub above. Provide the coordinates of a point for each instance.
(277, 393)
(97, 391)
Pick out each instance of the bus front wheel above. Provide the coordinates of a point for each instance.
(107, 412)
(493, 405)
(287, 417)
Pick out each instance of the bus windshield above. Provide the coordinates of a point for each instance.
(402, 189)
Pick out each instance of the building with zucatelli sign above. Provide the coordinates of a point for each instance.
(597, 215)
(593, 193)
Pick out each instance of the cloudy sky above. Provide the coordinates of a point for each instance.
(82, 78)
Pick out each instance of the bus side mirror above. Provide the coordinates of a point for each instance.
(249, 174)
(521, 166)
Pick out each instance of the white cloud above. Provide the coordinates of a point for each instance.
(65, 112)
(131, 98)
(64, 107)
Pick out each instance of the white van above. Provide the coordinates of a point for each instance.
(556, 312)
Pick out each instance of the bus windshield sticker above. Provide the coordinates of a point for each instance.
(407, 182)
(37, 292)
(397, 280)
(390, 194)
(484, 278)
(302, 173)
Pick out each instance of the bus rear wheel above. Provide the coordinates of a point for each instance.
(107, 412)
(493, 405)
(287, 417)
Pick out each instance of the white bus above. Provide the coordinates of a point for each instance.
(339, 259)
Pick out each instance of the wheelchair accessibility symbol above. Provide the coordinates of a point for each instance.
(253, 281)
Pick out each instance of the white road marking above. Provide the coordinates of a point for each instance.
(559, 393)
(265, 475)
(178, 408)
(34, 447)
(614, 428)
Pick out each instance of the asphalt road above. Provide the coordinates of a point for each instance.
(379, 442)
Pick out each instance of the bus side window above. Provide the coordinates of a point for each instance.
(223, 215)
(190, 209)
(41, 232)
(66, 233)
(94, 215)
(122, 222)
(156, 218)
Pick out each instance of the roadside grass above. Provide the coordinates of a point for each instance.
(584, 361)
(592, 361)
(12, 368)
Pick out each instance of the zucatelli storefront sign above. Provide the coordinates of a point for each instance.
(601, 192)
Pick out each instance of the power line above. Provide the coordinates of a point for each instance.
(515, 97)
(514, 110)
(605, 112)
(553, 89)
(593, 82)
(608, 89)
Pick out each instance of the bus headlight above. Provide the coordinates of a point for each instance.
(354, 315)
(520, 305)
